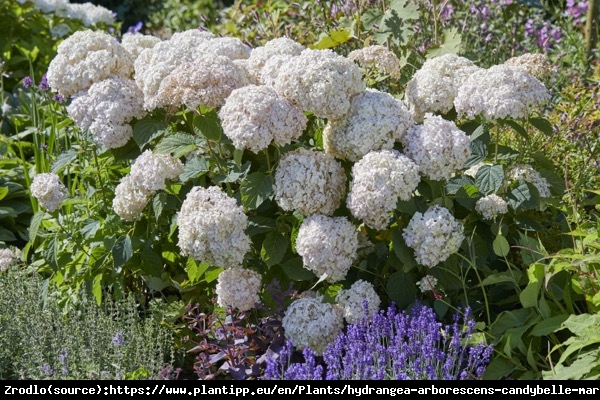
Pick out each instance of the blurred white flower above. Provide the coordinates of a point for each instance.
(351, 300)
(238, 288)
(49, 190)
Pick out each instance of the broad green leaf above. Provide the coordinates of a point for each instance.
(256, 189)
(178, 144)
(451, 45)
(401, 289)
(334, 38)
(63, 160)
(212, 273)
(151, 263)
(579, 369)
(531, 249)
(499, 368)
(401, 250)
(6, 235)
(543, 125)
(501, 246)
(97, 288)
(34, 226)
(529, 296)
(158, 204)
(209, 125)
(122, 251)
(467, 196)
(549, 325)
(481, 134)
(479, 153)
(90, 228)
(501, 277)
(273, 248)
(258, 224)
(156, 284)
(505, 153)
(195, 270)
(238, 154)
(582, 323)
(294, 269)
(458, 182)
(521, 197)
(516, 127)
(146, 129)
(194, 168)
(489, 178)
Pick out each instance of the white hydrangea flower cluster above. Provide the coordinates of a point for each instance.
(379, 179)
(230, 47)
(49, 190)
(129, 200)
(310, 182)
(351, 300)
(527, 173)
(135, 43)
(427, 283)
(437, 146)
(378, 57)
(308, 322)
(212, 228)
(238, 288)
(84, 58)
(254, 116)
(491, 206)
(8, 258)
(434, 235)
(328, 245)
(500, 91)
(434, 86)
(537, 64)
(88, 13)
(146, 177)
(320, 81)
(376, 121)
(154, 64)
(472, 170)
(281, 46)
(106, 110)
(150, 171)
(207, 82)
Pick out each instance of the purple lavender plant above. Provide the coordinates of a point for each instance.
(396, 345)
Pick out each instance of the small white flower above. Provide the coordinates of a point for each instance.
(150, 171)
(49, 190)
(491, 206)
(427, 284)
(130, 200)
(238, 288)
(351, 300)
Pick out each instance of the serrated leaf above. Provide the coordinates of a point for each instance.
(146, 129)
(457, 182)
(501, 246)
(211, 274)
(256, 189)
(152, 263)
(194, 168)
(34, 225)
(195, 270)
(489, 178)
(209, 125)
(294, 269)
(178, 144)
(122, 251)
(467, 196)
(158, 204)
(516, 127)
(63, 160)
(97, 289)
(90, 228)
(479, 153)
(451, 45)
(334, 38)
(521, 197)
(274, 248)
(258, 224)
(402, 289)
(543, 125)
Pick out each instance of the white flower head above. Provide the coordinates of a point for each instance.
(491, 206)
(310, 182)
(320, 81)
(88, 13)
(434, 235)
(49, 190)
(438, 147)
(150, 171)
(352, 301)
(328, 245)
(207, 81)
(135, 43)
(527, 173)
(238, 288)
(379, 57)
(376, 121)
(8, 258)
(501, 91)
(308, 322)
(106, 110)
(537, 64)
(84, 58)
(129, 200)
(281, 46)
(212, 228)
(254, 116)
(427, 284)
(379, 180)
(434, 86)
